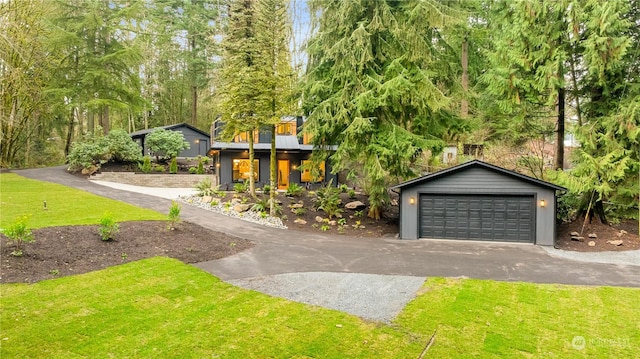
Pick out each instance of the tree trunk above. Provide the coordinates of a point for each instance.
(67, 143)
(560, 137)
(91, 124)
(272, 173)
(104, 120)
(252, 184)
(464, 105)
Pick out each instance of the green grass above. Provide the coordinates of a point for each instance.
(65, 206)
(160, 307)
(489, 319)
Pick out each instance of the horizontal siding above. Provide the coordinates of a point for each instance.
(477, 180)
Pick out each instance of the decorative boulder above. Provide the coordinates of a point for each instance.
(355, 205)
(241, 207)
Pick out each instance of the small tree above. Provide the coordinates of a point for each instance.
(166, 144)
(108, 227)
(19, 233)
(173, 166)
(173, 218)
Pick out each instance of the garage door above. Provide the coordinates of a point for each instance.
(477, 217)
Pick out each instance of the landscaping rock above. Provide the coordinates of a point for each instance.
(235, 201)
(593, 235)
(300, 221)
(296, 205)
(319, 219)
(241, 207)
(591, 244)
(617, 242)
(577, 239)
(207, 199)
(622, 233)
(575, 234)
(332, 223)
(355, 205)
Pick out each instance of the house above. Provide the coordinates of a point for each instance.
(292, 152)
(198, 140)
(478, 201)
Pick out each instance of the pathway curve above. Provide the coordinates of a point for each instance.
(290, 251)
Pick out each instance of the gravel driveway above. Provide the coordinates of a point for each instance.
(369, 296)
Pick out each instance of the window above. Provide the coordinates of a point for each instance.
(240, 170)
(286, 128)
(307, 139)
(244, 137)
(308, 174)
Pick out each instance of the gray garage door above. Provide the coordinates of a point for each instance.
(477, 217)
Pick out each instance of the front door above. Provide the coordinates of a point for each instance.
(283, 174)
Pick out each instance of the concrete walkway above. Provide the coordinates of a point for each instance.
(289, 251)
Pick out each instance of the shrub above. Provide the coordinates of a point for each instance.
(173, 218)
(343, 188)
(158, 168)
(262, 205)
(95, 149)
(19, 233)
(108, 227)
(266, 189)
(294, 190)
(173, 166)
(166, 144)
(241, 187)
(329, 200)
(352, 193)
(145, 167)
(193, 170)
(299, 211)
(204, 187)
(201, 163)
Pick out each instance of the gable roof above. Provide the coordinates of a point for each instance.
(478, 164)
(142, 133)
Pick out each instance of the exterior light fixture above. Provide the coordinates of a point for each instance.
(197, 141)
(543, 203)
(412, 200)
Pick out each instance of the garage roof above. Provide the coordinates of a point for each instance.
(478, 164)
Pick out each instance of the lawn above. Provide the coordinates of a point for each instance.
(21, 196)
(161, 307)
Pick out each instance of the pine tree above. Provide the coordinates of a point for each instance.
(273, 30)
(239, 87)
(372, 87)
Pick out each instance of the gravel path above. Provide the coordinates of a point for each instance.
(625, 257)
(369, 296)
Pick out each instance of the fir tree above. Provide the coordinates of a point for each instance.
(372, 88)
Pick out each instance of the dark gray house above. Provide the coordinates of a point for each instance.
(199, 141)
(478, 201)
(232, 158)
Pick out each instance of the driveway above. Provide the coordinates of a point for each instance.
(289, 251)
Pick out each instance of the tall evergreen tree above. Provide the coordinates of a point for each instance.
(275, 73)
(239, 87)
(372, 87)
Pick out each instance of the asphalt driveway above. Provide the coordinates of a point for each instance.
(289, 251)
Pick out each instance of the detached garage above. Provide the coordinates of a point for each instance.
(478, 201)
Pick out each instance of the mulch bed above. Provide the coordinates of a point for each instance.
(604, 234)
(70, 250)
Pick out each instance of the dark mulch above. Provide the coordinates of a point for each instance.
(69, 250)
(604, 233)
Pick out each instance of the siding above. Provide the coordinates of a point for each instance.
(478, 180)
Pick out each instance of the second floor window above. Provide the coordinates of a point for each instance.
(286, 129)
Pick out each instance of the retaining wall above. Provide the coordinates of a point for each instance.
(154, 180)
